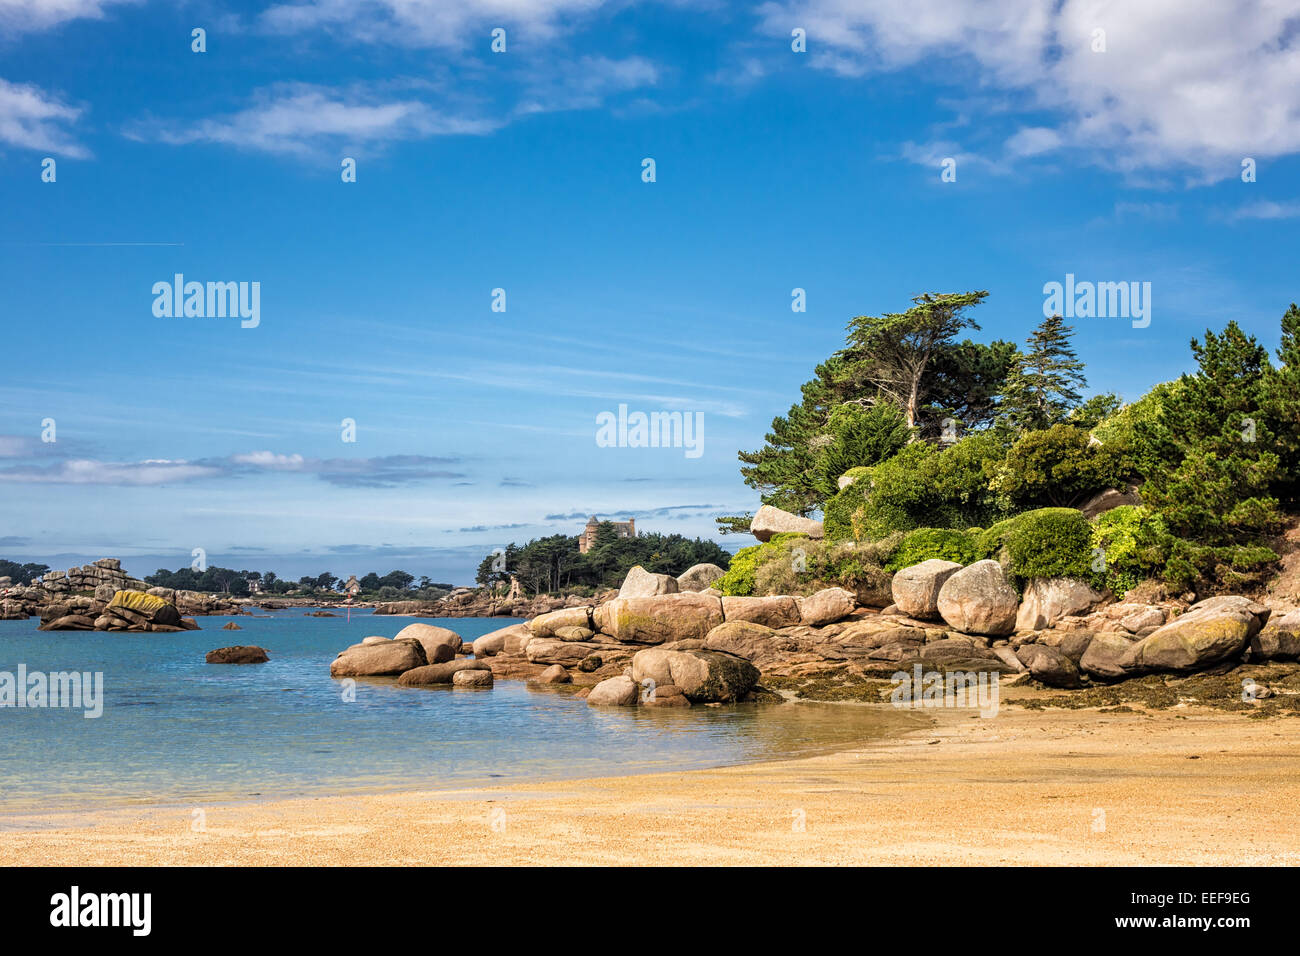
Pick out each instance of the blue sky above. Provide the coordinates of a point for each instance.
(522, 171)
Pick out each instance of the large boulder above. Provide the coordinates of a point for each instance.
(431, 674)
(548, 650)
(472, 677)
(241, 654)
(754, 642)
(1049, 665)
(775, 611)
(1211, 631)
(431, 637)
(545, 625)
(517, 639)
(978, 600)
(825, 607)
(769, 521)
(659, 620)
(915, 589)
(381, 659)
(698, 577)
(703, 676)
(1047, 600)
(1104, 653)
(555, 674)
(138, 611)
(614, 692)
(641, 583)
(1279, 640)
(69, 622)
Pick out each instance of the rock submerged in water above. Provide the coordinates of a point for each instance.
(231, 626)
(239, 654)
(614, 692)
(431, 674)
(703, 676)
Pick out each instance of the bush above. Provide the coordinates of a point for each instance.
(739, 579)
(1050, 543)
(923, 544)
(1059, 466)
(1135, 545)
(796, 564)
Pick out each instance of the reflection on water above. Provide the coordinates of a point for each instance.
(175, 729)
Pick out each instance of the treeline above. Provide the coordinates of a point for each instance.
(907, 428)
(217, 580)
(22, 573)
(555, 563)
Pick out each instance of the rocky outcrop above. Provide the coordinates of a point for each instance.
(381, 658)
(915, 589)
(699, 577)
(1047, 600)
(614, 692)
(432, 638)
(1211, 631)
(775, 611)
(978, 600)
(641, 583)
(826, 607)
(240, 654)
(702, 676)
(769, 521)
(1279, 640)
(659, 620)
(429, 675)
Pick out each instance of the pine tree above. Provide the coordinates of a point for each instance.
(1044, 385)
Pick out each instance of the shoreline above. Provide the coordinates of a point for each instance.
(1038, 787)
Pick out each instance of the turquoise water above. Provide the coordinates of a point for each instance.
(176, 729)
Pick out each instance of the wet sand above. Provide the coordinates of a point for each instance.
(1072, 787)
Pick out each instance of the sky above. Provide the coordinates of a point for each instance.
(863, 153)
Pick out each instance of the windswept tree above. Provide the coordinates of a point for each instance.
(891, 353)
(1044, 385)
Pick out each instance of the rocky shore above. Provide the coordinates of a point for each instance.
(676, 642)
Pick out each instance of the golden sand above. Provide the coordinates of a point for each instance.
(1182, 786)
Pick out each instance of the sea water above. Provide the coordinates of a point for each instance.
(175, 729)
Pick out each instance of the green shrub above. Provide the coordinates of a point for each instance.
(1060, 466)
(739, 579)
(923, 544)
(797, 564)
(1050, 543)
(1134, 544)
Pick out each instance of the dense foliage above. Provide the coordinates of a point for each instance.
(555, 564)
(883, 443)
(22, 573)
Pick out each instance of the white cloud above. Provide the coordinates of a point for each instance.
(27, 15)
(585, 83)
(33, 119)
(85, 471)
(303, 119)
(1182, 87)
(1267, 209)
(441, 23)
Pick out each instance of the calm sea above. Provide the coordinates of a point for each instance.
(176, 729)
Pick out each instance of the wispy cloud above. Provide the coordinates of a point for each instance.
(31, 118)
(1266, 209)
(19, 16)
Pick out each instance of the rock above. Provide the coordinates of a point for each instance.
(978, 600)
(754, 642)
(71, 622)
(704, 676)
(575, 633)
(1007, 656)
(591, 663)
(377, 660)
(641, 583)
(472, 678)
(916, 589)
(490, 645)
(1047, 600)
(374, 639)
(666, 697)
(1279, 640)
(517, 639)
(240, 654)
(231, 626)
(138, 611)
(431, 674)
(614, 692)
(545, 625)
(659, 620)
(769, 521)
(1211, 631)
(546, 650)
(698, 577)
(775, 611)
(430, 637)
(1142, 619)
(1049, 665)
(825, 607)
(1073, 644)
(105, 592)
(878, 631)
(555, 674)
(1108, 499)
(1102, 657)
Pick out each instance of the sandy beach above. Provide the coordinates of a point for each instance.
(1055, 787)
